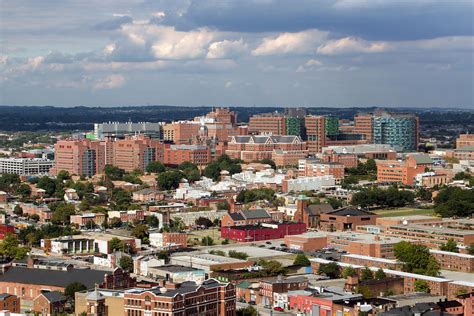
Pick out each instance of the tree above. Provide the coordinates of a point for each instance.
(62, 213)
(416, 258)
(268, 161)
(115, 244)
(380, 274)
(47, 184)
(451, 246)
(247, 196)
(140, 231)
(348, 272)
(126, 263)
(213, 170)
(24, 190)
(366, 274)
(247, 311)
(301, 260)
(169, 180)
(72, 288)
(113, 173)
(35, 217)
(421, 286)
(207, 241)
(335, 203)
(470, 249)
(115, 222)
(63, 175)
(204, 221)
(223, 206)
(454, 201)
(155, 167)
(238, 255)
(330, 270)
(18, 210)
(9, 182)
(152, 221)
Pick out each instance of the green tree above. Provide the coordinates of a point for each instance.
(155, 167)
(169, 180)
(223, 206)
(380, 274)
(416, 258)
(270, 162)
(63, 175)
(421, 286)
(348, 271)
(18, 210)
(301, 260)
(207, 241)
(454, 201)
(330, 270)
(24, 190)
(238, 255)
(366, 274)
(140, 231)
(47, 184)
(9, 182)
(126, 263)
(451, 246)
(113, 173)
(247, 196)
(72, 288)
(335, 203)
(62, 213)
(470, 249)
(115, 244)
(152, 221)
(365, 291)
(115, 222)
(203, 221)
(247, 311)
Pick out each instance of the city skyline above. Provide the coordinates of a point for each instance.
(334, 53)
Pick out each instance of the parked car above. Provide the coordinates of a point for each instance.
(278, 309)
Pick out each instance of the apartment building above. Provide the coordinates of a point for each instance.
(363, 244)
(258, 147)
(26, 166)
(82, 220)
(454, 261)
(127, 216)
(196, 154)
(271, 287)
(463, 153)
(209, 298)
(80, 156)
(288, 158)
(368, 261)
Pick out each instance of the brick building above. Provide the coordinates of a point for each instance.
(390, 171)
(10, 302)
(463, 153)
(135, 152)
(288, 158)
(245, 217)
(49, 303)
(258, 147)
(83, 220)
(347, 160)
(346, 218)
(454, 261)
(464, 140)
(270, 287)
(127, 216)
(209, 298)
(316, 168)
(264, 231)
(309, 241)
(171, 240)
(196, 154)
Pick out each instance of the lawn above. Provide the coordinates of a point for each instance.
(406, 211)
(213, 232)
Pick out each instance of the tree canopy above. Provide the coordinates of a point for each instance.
(416, 258)
(451, 246)
(301, 260)
(330, 270)
(224, 162)
(155, 167)
(454, 201)
(391, 197)
(169, 180)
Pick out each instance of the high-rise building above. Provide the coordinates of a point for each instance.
(136, 152)
(400, 130)
(363, 124)
(276, 124)
(79, 156)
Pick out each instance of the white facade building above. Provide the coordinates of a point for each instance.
(26, 166)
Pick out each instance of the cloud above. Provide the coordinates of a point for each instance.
(110, 82)
(113, 24)
(285, 43)
(309, 65)
(350, 45)
(226, 49)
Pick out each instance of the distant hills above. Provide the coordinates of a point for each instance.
(48, 118)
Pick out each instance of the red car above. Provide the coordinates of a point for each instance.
(278, 309)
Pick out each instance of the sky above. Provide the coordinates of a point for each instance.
(335, 53)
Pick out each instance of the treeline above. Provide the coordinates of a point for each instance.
(377, 197)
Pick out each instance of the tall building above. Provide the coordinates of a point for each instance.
(136, 152)
(117, 129)
(315, 133)
(400, 130)
(465, 140)
(276, 124)
(79, 156)
(177, 154)
(363, 124)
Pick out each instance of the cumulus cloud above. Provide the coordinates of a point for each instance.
(285, 43)
(226, 49)
(350, 45)
(309, 65)
(110, 82)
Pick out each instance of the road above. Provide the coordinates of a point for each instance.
(262, 311)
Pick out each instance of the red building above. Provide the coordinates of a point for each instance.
(258, 147)
(264, 231)
(177, 154)
(6, 229)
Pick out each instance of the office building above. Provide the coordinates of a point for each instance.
(196, 154)
(119, 130)
(399, 130)
(275, 124)
(465, 140)
(405, 172)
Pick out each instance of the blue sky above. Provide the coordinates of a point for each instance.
(222, 52)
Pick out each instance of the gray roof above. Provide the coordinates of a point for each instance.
(423, 159)
(175, 268)
(262, 139)
(350, 211)
(95, 296)
(254, 214)
(316, 209)
(236, 216)
(54, 296)
(52, 277)
(4, 296)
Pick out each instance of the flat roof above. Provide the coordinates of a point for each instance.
(433, 230)
(390, 261)
(456, 254)
(207, 259)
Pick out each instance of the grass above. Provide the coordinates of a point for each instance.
(405, 211)
(212, 232)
